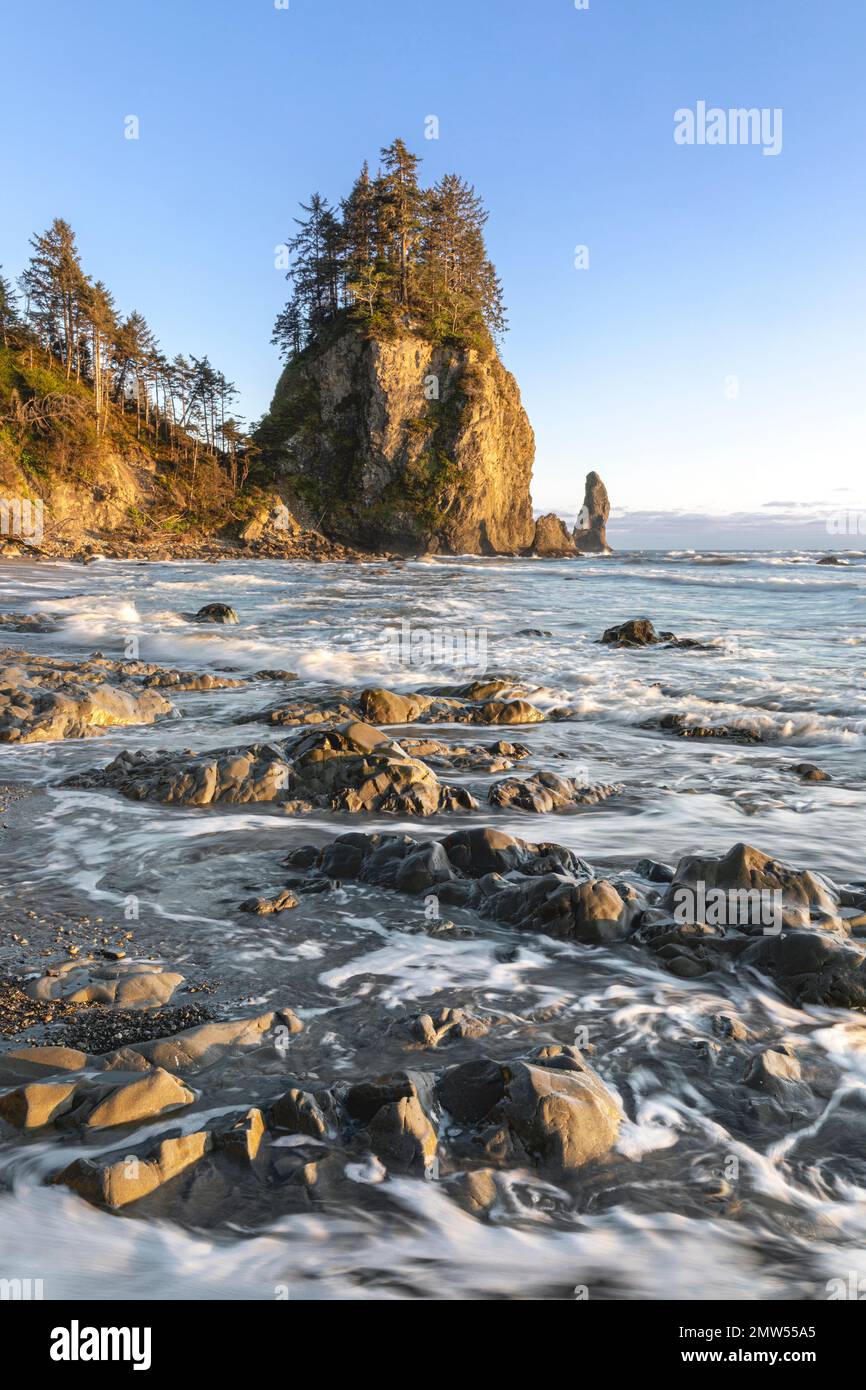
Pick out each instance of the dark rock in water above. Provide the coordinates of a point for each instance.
(590, 535)
(680, 725)
(831, 560)
(813, 967)
(654, 871)
(441, 1026)
(552, 537)
(545, 792)
(281, 902)
(637, 632)
(476, 703)
(303, 1112)
(808, 772)
(554, 1108)
(640, 632)
(215, 613)
(351, 768)
(779, 1073)
(791, 895)
(543, 888)
(532, 632)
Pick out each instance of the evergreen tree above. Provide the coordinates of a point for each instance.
(399, 213)
(9, 321)
(396, 255)
(55, 285)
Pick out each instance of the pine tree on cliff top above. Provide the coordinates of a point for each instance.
(394, 256)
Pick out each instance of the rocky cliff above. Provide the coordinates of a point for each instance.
(403, 444)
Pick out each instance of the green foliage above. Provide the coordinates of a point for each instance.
(396, 258)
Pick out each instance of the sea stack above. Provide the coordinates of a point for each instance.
(589, 535)
(396, 442)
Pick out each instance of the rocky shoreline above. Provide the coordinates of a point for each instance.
(208, 1110)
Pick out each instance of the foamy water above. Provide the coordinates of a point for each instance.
(785, 662)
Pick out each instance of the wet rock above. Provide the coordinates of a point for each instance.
(302, 1112)
(117, 984)
(640, 632)
(535, 887)
(151, 1095)
(127, 1179)
(813, 967)
(37, 1104)
(686, 967)
(654, 871)
(38, 704)
(441, 1026)
(201, 1047)
(490, 758)
(557, 1109)
(385, 707)
(545, 792)
(831, 560)
(215, 613)
(729, 1026)
(488, 701)
(477, 1191)
(281, 902)
(777, 1073)
(241, 1139)
(740, 877)
(36, 1063)
(505, 712)
(352, 768)
(637, 632)
(684, 726)
(402, 1136)
(808, 772)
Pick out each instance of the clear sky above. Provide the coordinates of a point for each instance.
(706, 263)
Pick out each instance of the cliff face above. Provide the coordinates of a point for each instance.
(402, 444)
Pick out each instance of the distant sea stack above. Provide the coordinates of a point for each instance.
(396, 442)
(553, 538)
(589, 534)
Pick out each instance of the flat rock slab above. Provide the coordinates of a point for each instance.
(116, 984)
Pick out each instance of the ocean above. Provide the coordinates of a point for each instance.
(704, 1196)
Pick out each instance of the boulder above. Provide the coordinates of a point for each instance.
(155, 1093)
(546, 791)
(556, 1109)
(117, 984)
(745, 870)
(124, 1180)
(215, 613)
(402, 1136)
(637, 632)
(37, 1104)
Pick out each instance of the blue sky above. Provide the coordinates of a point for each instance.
(705, 263)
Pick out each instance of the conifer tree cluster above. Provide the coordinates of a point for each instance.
(393, 255)
(71, 320)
